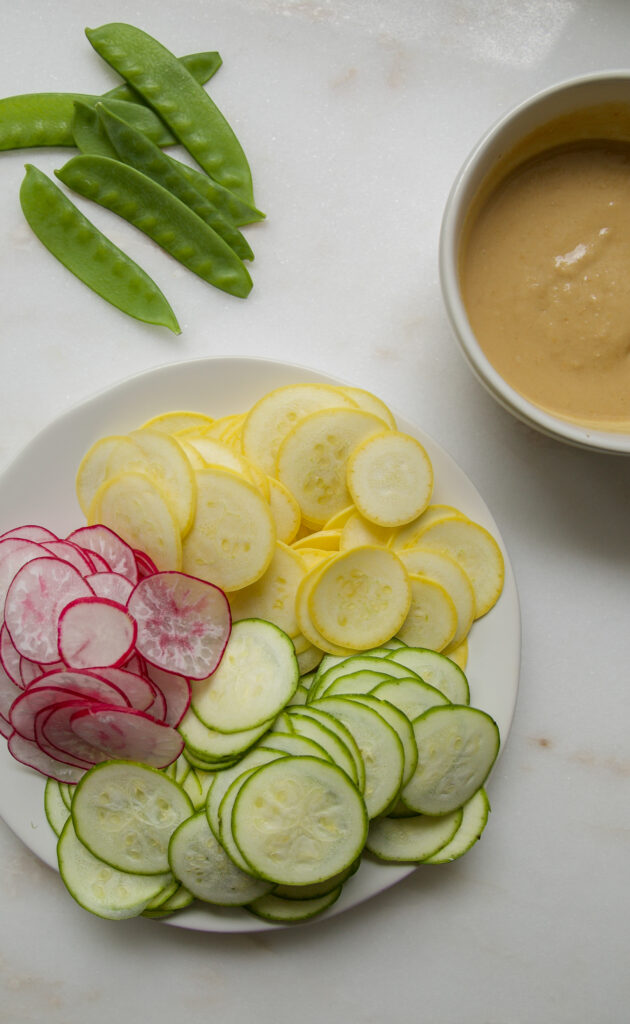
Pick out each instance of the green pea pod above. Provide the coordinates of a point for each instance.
(161, 216)
(180, 101)
(89, 134)
(135, 149)
(88, 254)
(237, 211)
(45, 118)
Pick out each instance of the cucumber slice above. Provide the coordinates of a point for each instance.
(100, 888)
(411, 839)
(203, 742)
(299, 820)
(201, 864)
(291, 911)
(223, 780)
(307, 726)
(363, 681)
(411, 696)
(356, 663)
(294, 745)
(401, 726)
(474, 819)
(56, 810)
(380, 747)
(178, 901)
(125, 814)
(308, 892)
(256, 677)
(437, 670)
(344, 734)
(457, 747)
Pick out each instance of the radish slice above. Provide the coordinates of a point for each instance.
(56, 687)
(144, 564)
(39, 592)
(9, 656)
(72, 553)
(27, 752)
(15, 553)
(5, 727)
(9, 693)
(128, 735)
(116, 552)
(100, 564)
(55, 735)
(183, 623)
(176, 691)
(139, 692)
(29, 671)
(94, 631)
(39, 534)
(112, 585)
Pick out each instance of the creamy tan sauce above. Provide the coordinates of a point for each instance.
(545, 276)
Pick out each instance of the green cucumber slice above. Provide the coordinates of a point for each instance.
(299, 820)
(401, 726)
(356, 663)
(100, 888)
(307, 726)
(344, 734)
(257, 676)
(201, 864)
(56, 810)
(437, 670)
(411, 696)
(292, 911)
(125, 814)
(474, 819)
(223, 780)
(457, 746)
(411, 839)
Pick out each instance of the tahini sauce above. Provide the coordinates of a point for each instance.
(545, 277)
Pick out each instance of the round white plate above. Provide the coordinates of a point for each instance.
(39, 488)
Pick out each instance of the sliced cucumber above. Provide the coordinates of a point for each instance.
(211, 745)
(412, 696)
(201, 864)
(437, 670)
(474, 819)
(292, 911)
(401, 726)
(457, 746)
(257, 675)
(362, 681)
(100, 888)
(411, 839)
(381, 750)
(306, 725)
(299, 820)
(180, 899)
(56, 810)
(356, 663)
(125, 814)
(344, 734)
(223, 780)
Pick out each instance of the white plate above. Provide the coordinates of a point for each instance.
(39, 488)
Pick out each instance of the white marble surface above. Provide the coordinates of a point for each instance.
(356, 116)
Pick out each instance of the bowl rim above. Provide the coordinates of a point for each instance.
(462, 189)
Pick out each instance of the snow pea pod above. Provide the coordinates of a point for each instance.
(45, 118)
(88, 254)
(160, 215)
(89, 134)
(180, 101)
(135, 149)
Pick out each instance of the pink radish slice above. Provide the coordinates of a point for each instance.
(94, 631)
(144, 564)
(9, 693)
(39, 592)
(15, 553)
(9, 656)
(112, 585)
(56, 737)
(72, 553)
(29, 671)
(128, 735)
(56, 687)
(176, 691)
(100, 563)
(5, 727)
(28, 753)
(116, 552)
(183, 623)
(138, 690)
(39, 534)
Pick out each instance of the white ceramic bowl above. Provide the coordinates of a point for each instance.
(565, 98)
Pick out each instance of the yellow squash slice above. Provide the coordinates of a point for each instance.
(477, 552)
(272, 597)
(390, 478)
(443, 569)
(136, 509)
(432, 618)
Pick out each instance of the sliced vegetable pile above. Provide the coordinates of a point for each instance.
(97, 649)
(246, 673)
(311, 510)
(193, 212)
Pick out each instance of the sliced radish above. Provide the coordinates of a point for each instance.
(56, 687)
(9, 693)
(28, 753)
(9, 656)
(94, 631)
(139, 691)
(39, 592)
(128, 735)
(176, 691)
(144, 564)
(39, 534)
(55, 735)
(5, 727)
(29, 671)
(110, 584)
(183, 623)
(72, 553)
(116, 552)
(100, 564)
(14, 553)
